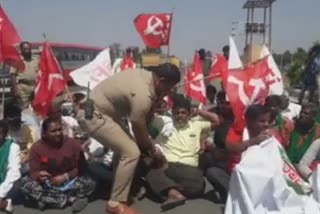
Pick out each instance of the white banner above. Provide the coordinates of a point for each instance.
(94, 72)
(315, 182)
(259, 185)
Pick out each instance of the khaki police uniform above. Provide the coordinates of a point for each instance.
(129, 95)
(26, 81)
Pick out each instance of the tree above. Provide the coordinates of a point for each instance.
(296, 67)
(282, 60)
(136, 55)
(286, 58)
(115, 51)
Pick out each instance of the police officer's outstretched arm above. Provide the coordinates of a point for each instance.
(141, 134)
(140, 113)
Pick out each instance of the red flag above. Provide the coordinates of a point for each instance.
(169, 101)
(194, 84)
(127, 62)
(245, 87)
(218, 67)
(50, 82)
(154, 29)
(8, 42)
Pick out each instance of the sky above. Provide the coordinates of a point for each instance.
(196, 23)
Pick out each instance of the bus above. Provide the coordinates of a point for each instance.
(69, 56)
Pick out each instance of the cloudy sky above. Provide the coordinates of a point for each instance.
(197, 23)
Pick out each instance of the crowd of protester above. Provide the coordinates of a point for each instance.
(52, 162)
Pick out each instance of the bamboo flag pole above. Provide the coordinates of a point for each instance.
(67, 91)
(185, 83)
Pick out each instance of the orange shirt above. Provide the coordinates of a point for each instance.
(233, 137)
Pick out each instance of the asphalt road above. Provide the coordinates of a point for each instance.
(146, 206)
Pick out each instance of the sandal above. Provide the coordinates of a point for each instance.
(121, 209)
(172, 203)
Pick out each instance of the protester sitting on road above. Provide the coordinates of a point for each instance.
(306, 131)
(257, 119)
(21, 133)
(310, 160)
(289, 109)
(9, 169)
(99, 160)
(162, 124)
(57, 171)
(215, 160)
(180, 177)
(281, 124)
(162, 108)
(68, 124)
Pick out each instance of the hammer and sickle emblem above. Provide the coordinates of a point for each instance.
(200, 87)
(256, 83)
(152, 27)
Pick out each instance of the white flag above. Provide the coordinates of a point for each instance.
(275, 77)
(94, 72)
(234, 61)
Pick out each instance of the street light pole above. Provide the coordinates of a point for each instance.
(270, 25)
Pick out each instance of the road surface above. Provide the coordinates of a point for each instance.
(199, 206)
(146, 206)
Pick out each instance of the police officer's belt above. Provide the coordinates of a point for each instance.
(24, 81)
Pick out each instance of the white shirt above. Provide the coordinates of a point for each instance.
(30, 118)
(97, 150)
(292, 111)
(13, 170)
(72, 124)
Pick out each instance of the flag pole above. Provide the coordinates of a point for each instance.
(2, 100)
(2, 81)
(69, 96)
(169, 35)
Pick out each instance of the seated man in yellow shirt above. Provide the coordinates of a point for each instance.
(181, 178)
